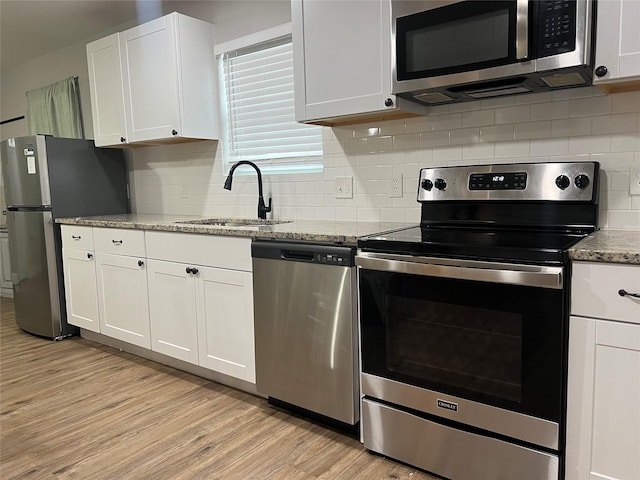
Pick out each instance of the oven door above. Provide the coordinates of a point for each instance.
(477, 343)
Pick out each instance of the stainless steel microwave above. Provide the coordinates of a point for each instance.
(452, 51)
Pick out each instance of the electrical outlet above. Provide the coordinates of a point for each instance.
(395, 186)
(634, 180)
(343, 187)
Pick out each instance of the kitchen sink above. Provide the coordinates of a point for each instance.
(232, 223)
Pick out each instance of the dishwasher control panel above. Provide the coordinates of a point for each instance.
(331, 258)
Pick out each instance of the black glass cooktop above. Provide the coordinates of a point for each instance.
(474, 243)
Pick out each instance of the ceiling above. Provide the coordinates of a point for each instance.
(32, 28)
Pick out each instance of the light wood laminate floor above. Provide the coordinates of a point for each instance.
(79, 410)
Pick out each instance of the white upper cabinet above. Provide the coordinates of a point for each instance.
(618, 45)
(154, 83)
(107, 99)
(342, 62)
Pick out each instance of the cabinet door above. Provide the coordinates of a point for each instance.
(603, 410)
(329, 40)
(150, 76)
(225, 322)
(618, 40)
(80, 288)
(123, 299)
(172, 310)
(107, 96)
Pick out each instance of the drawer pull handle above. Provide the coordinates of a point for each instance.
(76, 237)
(116, 242)
(624, 293)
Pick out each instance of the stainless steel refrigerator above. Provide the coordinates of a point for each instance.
(47, 178)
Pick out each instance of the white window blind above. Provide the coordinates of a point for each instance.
(258, 111)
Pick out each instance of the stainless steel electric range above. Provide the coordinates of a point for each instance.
(464, 321)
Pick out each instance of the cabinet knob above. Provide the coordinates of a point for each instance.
(601, 71)
(122, 139)
(388, 102)
(174, 132)
(140, 263)
(188, 270)
(194, 270)
(89, 255)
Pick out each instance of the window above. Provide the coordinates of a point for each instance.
(256, 86)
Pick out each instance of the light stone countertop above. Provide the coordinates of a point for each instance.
(610, 246)
(309, 230)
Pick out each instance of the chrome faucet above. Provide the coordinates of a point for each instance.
(262, 208)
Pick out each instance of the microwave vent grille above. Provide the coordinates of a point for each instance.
(432, 98)
(564, 80)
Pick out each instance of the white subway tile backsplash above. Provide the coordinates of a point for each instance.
(550, 111)
(558, 146)
(619, 123)
(512, 149)
(567, 125)
(497, 133)
(625, 102)
(406, 141)
(586, 107)
(516, 114)
(593, 144)
(478, 118)
(434, 139)
(572, 127)
(464, 135)
(531, 130)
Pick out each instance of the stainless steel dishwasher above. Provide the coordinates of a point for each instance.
(306, 328)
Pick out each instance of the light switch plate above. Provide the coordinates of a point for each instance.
(634, 180)
(343, 187)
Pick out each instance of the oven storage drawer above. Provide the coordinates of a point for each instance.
(420, 442)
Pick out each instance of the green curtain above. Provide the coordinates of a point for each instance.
(55, 109)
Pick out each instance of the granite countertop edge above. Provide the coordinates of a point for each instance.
(608, 246)
(344, 232)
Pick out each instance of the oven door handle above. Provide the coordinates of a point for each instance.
(525, 275)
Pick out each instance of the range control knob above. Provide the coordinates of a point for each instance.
(562, 181)
(427, 184)
(581, 181)
(440, 184)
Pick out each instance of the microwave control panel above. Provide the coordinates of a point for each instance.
(556, 27)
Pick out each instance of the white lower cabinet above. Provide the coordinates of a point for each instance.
(225, 322)
(122, 298)
(122, 285)
(603, 404)
(172, 310)
(201, 301)
(186, 296)
(79, 268)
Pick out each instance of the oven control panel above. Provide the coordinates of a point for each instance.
(557, 181)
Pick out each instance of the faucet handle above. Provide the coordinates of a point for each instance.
(268, 209)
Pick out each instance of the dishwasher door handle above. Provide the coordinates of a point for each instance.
(297, 255)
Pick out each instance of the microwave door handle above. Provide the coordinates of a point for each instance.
(522, 29)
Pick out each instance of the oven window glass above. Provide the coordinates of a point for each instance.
(498, 344)
(478, 349)
(467, 41)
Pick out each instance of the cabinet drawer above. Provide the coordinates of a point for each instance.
(119, 241)
(206, 250)
(595, 287)
(77, 237)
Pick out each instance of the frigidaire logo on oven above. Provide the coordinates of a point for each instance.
(448, 405)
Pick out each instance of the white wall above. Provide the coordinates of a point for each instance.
(568, 125)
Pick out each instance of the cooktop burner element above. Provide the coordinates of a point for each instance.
(528, 212)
